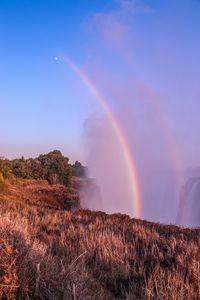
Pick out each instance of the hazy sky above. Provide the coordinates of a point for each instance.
(131, 49)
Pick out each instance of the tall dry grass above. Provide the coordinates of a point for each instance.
(48, 253)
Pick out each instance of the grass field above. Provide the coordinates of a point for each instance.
(49, 252)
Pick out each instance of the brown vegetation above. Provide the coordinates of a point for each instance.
(48, 252)
(39, 193)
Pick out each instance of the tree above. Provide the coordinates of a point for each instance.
(78, 170)
(53, 167)
(56, 167)
(20, 168)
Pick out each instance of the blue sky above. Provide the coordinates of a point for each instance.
(43, 103)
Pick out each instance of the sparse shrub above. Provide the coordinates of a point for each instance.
(5, 173)
(2, 181)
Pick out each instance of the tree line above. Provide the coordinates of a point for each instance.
(54, 167)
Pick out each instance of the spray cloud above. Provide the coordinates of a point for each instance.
(143, 91)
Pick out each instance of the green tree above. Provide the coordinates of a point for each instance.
(20, 168)
(53, 167)
(56, 167)
(79, 170)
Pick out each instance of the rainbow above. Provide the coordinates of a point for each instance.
(130, 164)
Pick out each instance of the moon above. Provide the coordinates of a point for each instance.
(56, 58)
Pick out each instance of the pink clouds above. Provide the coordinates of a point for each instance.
(110, 27)
(114, 30)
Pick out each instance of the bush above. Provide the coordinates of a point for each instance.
(1, 181)
(5, 173)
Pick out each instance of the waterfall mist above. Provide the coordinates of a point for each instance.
(141, 74)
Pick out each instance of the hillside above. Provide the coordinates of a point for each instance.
(49, 252)
(39, 193)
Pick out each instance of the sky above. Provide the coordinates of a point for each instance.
(105, 82)
(134, 51)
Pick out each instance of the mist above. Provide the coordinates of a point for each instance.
(140, 72)
(107, 165)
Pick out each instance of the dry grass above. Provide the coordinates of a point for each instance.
(8, 269)
(40, 193)
(51, 253)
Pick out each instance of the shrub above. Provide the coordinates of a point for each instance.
(5, 173)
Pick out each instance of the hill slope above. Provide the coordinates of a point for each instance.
(48, 252)
(40, 193)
